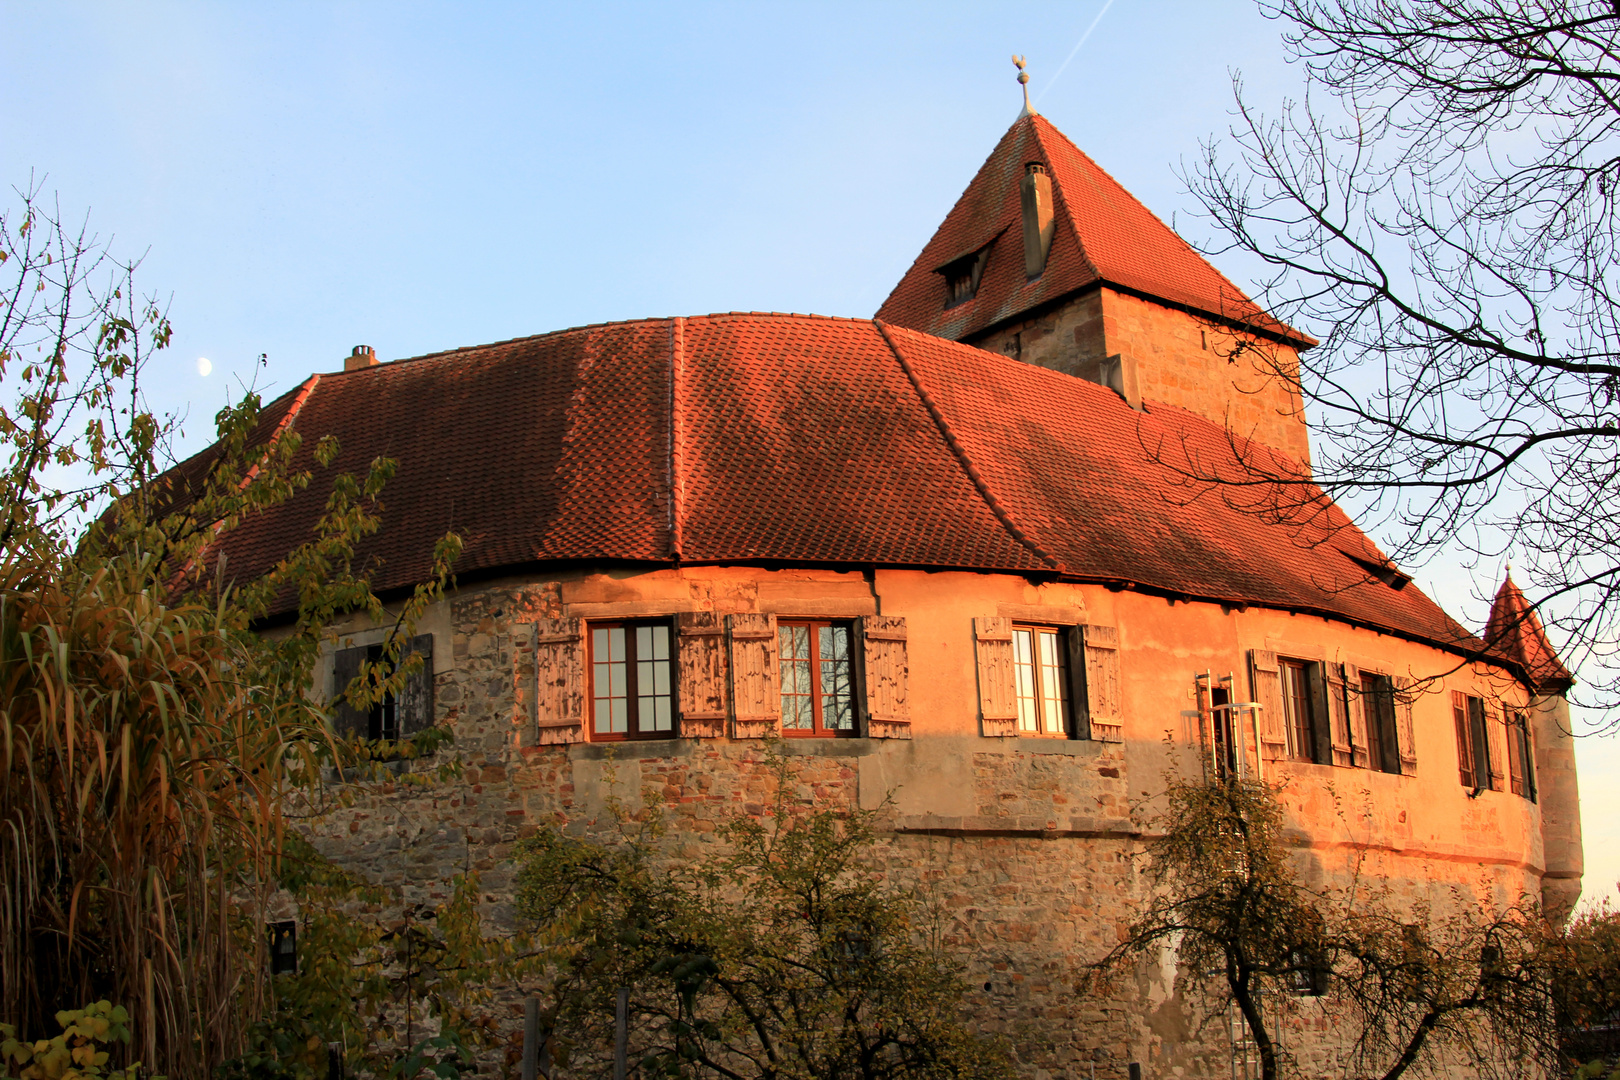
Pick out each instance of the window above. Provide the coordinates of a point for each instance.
(1304, 703)
(396, 716)
(1521, 756)
(1378, 707)
(1306, 974)
(632, 681)
(1041, 666)
(1474, 768)
(818, 685)
(962, 276)
(283, 949)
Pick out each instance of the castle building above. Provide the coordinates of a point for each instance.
(964, 558)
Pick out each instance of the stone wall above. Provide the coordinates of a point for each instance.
(1028, 847)
(1181, 359)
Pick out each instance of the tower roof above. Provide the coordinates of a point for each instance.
(800, 440)
(1104, 236)
(1514, 630)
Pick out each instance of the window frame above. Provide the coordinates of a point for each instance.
(1521, 754)
(632, 732)
(1472, 724)
(1378, 709)
(818, 728)
(1062, 639)
(1305, 714)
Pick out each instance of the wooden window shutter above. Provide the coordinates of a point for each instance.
(1102, 705)
(416, 697)
(1321, 724)
(1355, 715)
(348, 722)
(1496, 752)
(1338, 700)
(1075, 642)
(887, 675)
(1527, 754)
(998, 685)
(756, 680)
(1465, 744)
(1265, 679)
(559, 666)
(1515, 752)
(1406, 730)
(702, 676)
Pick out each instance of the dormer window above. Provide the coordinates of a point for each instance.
(962, 276)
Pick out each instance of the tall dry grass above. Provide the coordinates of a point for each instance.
(140, 807)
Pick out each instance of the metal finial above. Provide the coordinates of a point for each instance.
(1023, 80)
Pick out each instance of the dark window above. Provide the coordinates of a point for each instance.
(1378, 707)
(1306, 974)
(396, 716)
(1473, 742)
(632, 680)
(962, 276)
(283, 947)
(1304, 697)
(818, 681)
(1041, 667)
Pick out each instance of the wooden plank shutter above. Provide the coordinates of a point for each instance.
(1465, 744)
(1321, 724)
(1355, 715)
(1075, 643)
(756, 678)
(998, 683)
(702, 676)
(1390, 744)
(1103, 705)
(559, 665)
(1265, 679)
(1527, 754)
(1515, 752)
(1338, 699)
(1496, 752)
(348, 722)
(416, 697)
(1406, 740)
(883, 649)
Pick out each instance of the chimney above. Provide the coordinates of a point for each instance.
(1036, 192)
(363, 356)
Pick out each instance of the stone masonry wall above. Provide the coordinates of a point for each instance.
(1029, 849)
(1181, 360)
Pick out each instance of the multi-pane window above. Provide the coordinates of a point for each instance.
(818, 682)
(1299, 708)
(1041, 666)
(632, 681)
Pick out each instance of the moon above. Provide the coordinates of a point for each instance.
(204, 366)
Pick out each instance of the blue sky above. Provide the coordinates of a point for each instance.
(414, 176)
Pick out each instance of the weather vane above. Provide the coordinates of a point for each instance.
(1023, 80)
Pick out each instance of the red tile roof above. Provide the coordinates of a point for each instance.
(1514, 630)
(811, 441)
(1103, 235)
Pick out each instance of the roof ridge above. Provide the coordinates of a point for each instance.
(677, 455)
(960, 452)
(1058, 194)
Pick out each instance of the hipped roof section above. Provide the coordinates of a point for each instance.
(801, 440)
(1103, 236)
